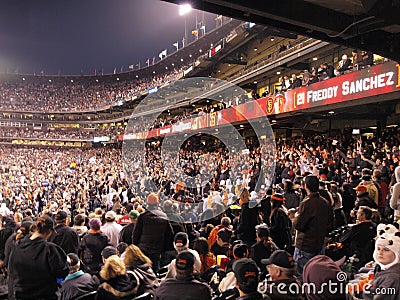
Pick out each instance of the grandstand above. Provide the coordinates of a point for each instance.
(88, 145)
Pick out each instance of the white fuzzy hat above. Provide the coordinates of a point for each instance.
(388, 237)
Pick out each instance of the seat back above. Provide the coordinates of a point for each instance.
(87, 296)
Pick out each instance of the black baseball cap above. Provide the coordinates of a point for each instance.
(280, 258)
(73, 259)
(181, 239)
(245, 269)
(184, 260)
(61, 215)
(48, 222)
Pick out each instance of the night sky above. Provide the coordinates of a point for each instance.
(74, 36)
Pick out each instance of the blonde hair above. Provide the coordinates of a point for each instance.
(133, 257)
(113, 267)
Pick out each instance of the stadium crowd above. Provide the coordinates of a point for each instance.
(119, 226)
(44, 94)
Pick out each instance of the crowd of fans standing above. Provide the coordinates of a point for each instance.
(117, 230)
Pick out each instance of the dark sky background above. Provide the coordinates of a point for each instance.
(70, 36)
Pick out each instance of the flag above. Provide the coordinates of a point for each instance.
(131, 67)
(148, 62)
(195, 33)
(122, 69)
(154, 60)
(95, 72)
(162, 54)
(138, 65)
(176, 45)
(115, 70)
(183, 42)
(203, 28)
(218, 18)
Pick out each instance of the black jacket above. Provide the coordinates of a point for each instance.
(172, 289)
(90, 251)
(34, 266)
(126, 233)
(247, 222)
(153, 232)
(66, 237)
(78, 284)
(280, 229)
(259, 251)
(360, 241)
(120, 287)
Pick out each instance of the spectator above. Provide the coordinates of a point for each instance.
(152, 231)
(386, 255)
(318, 271)
(313, 222)
(363, 199)
(181, 243)
(35, 264)
(221, 247)
(118, 283)
(280, 223)
(77, 282)
(264, 246)
(183, 286)
(126, 233)
(206, 257)
(359, 239)
(395, 199)
(22, 232)
(111, 228)
(247, 221)
(343, 65)
(247, 274)
(136, 261)
(79, 225)
(65, 237)
(281, 269)
(91, 246)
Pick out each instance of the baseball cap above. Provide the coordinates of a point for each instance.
(184, 260)
(73, 259)
(134, 214)
(278, 197)
(47, 221)
(280, 258)
(181, 239)
(61, 215)
(111, 215)
(361, 188)
(245, 269)
(108, 251)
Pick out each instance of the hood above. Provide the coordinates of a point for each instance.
(122, 286)
(34, 247)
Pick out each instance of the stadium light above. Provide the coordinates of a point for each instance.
(184, 9)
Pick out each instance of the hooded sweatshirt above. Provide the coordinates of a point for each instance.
(395, 200)
(35, 265)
